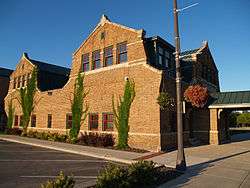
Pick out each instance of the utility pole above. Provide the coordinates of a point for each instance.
(180, 162)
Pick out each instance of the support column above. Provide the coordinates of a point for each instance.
(214, 126)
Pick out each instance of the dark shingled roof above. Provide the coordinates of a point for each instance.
(50, 76)
(230, 98)
(5, 72)
(189, 52)
(55, 69)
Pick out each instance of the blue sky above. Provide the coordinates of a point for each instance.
(50, 30)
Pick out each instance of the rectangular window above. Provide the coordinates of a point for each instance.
(122, 52)
(68, 121)
(23, 80)
(49, 125)
(108, 56)
(33, 120)
(163, 57)
(21, 119)
(96, 60)
(16, 121)
(93, 121)
(85, 62)
(107, 121)
(18, 81)
(14, 83)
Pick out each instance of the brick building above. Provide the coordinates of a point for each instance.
(111, 54)
(4, 86)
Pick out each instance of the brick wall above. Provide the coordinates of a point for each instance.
(149, 127)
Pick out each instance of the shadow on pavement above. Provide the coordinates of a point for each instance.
(196, 170)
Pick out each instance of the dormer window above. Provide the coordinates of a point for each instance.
(108, 56)
(122, 52)
(163, 57)
(96, 60)
(85, 62)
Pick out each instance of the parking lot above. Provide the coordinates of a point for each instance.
(28, 166)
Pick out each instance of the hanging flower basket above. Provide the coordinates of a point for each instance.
(165, 101)
(197, 95)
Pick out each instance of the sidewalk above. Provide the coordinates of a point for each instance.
(214, 166)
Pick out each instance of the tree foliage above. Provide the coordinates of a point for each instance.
(196, 95)
(79, 114)
(243, 118)
(11, 112)
(27, 98)
(121, 113)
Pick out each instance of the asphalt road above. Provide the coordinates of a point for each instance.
(28, 166)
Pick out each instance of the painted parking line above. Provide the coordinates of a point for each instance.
(77, 177)
(42, 160)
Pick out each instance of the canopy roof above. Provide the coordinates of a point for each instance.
(236, 99)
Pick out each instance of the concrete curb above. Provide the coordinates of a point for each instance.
(126, 161)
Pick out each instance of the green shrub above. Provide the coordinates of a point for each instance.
(113, 176)
(32, 134)
(95, 139)
(13, 131)
(140, 174)
(61, 181)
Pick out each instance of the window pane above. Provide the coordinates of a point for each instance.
(123, 57)
(161, 51)
(96, 63)
(33, 120)
(49, 120)
(16, 121)
(85, 62)
(85, 67)
(108, 56)
(93, 121)
(107, 122)
(122, 52)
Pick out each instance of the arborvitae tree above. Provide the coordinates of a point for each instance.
(121, 113)
(79, 114)
(11, 112)
(27, 97)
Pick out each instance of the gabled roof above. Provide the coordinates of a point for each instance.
(104, 19)
(5, 72)
(235, 99)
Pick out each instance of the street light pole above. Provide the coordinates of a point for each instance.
(180, 162)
